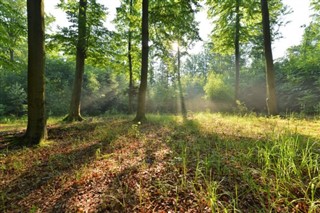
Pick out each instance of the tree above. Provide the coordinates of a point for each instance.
(182, 102)
(74, 111)
(131, 90)
(86, 38)
(270, 75)
(12, 28)
(141, 109)
(173, 22)
(128, 22)
(234, 23)
(36, 129)
(298, 73)
(237, 50)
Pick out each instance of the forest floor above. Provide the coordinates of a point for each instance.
(208, 163)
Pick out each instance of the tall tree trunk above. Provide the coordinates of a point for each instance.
(237, 50)
(74, 111)
(11, 52)
(270, 75)
(36, 129)
(130, 94)
(182, 103)
(141, 110)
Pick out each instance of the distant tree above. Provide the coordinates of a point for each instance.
(298, 73)
(173, 22)
(59, 79)
(270, 74)
(182, 102)
(36, 129)
(74, 111)
(128, 22)
(141, 109)
(85, 37)
(131, 88)
(13, 55)
(237, 50)
(13, 29)
(234, 23)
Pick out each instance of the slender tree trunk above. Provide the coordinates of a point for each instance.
(270, 75)
(11, 52)
(141, 110)
(74, 111)
(237, 50)
(183, 105)
(130, 94)
(36, 129)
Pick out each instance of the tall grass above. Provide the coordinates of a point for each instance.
(250, 162)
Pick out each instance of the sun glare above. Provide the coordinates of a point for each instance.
(175, 46)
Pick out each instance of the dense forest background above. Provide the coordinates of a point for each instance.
(208, 77)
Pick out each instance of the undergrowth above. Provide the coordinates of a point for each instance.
(208, 163)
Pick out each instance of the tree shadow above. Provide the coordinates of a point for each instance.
(11, 140)
(67, 158)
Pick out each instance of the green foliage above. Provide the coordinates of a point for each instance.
(223, 14)
(300, 85)
(163, 99)
(97, 37)
(13, 31)
(13, 45)
(16, 100)
(103, 92)
(173, 21)
(194, 86)
(59, 78)
(217, 90)
(128, 24)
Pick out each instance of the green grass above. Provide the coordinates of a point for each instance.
(211, 162)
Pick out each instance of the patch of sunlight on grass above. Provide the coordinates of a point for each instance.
(47, 143)
(55, 120)
(256, 126)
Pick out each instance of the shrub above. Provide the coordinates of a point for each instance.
(217, 90)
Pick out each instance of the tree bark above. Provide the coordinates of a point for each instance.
(237, 50)
(141, 109)
(36, 129)
(183, 105)
(270, 75)
(11, 52)
(130, 94)
(74, 111)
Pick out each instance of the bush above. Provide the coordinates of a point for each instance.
(16, 100)
(217, 90)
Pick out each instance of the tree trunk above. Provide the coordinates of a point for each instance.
(237, 50)
(74, 111)
(36, 129)
(270, 75)
(11, 52)
(183, 105)
(141, 110)
(130, 94)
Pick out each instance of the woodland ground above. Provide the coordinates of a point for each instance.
(208, 163)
